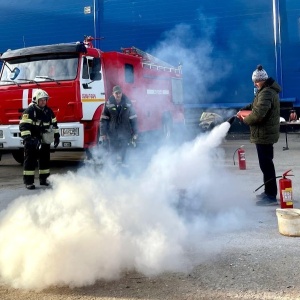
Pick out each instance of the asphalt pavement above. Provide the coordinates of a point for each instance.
(254, 261)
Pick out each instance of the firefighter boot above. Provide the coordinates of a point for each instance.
(30, 186)
(44, 182)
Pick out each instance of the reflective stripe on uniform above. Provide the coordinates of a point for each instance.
(54, 120)
(27, 121)
(38, 123)
(105, 117)
(133, 116)
(25, 132)
(47, 171)
(110, 105)
(28, 172)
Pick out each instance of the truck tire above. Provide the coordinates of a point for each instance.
(18, 155)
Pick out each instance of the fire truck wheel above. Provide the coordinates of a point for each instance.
(18, 155)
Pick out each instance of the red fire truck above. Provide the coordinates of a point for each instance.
(79, 78)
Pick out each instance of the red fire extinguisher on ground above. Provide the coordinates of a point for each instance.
(286, 192)
(293, 116)
(241, 157)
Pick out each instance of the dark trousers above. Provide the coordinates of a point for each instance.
(32, 156)
(265, 155)
(118, 147)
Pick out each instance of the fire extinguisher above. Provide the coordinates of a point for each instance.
(241, 157)
(293, 116)
(286, 192)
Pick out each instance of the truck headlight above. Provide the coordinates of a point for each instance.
(69, 132)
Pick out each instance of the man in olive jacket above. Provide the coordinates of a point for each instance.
(264, 129)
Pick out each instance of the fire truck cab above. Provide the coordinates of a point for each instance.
(79, 79)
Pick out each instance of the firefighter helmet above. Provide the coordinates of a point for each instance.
(39, 94)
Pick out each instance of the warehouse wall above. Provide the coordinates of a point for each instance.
(219, 43)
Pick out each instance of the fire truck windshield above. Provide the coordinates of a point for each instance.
(29, 69)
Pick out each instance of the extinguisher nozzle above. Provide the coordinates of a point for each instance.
(231, 120)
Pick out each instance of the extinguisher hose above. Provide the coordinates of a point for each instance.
(234, 156)
(266, 183)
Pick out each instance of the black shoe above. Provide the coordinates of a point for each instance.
(30, 186)
(44, 182)
(267, 201)
(261, 196)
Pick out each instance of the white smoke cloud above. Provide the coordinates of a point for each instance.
(94, 225)
(201, 70)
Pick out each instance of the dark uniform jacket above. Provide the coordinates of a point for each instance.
(118, 121)
(35, 121)
(265, 115)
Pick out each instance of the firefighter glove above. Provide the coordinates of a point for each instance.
(56, 139)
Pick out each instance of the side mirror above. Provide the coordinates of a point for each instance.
(86, 86)
(95, 76)
(14, 73)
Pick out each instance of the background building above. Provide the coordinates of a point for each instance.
(219, 43)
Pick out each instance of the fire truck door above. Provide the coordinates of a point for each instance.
(91, 86)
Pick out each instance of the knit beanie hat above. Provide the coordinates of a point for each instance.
(259, 74)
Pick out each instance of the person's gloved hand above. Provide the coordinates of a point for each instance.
(231, 120)
(56, 139)
(133, 140)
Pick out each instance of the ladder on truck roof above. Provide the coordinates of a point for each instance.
(148, 58)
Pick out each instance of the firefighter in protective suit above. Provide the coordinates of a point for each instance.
(38, 128)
